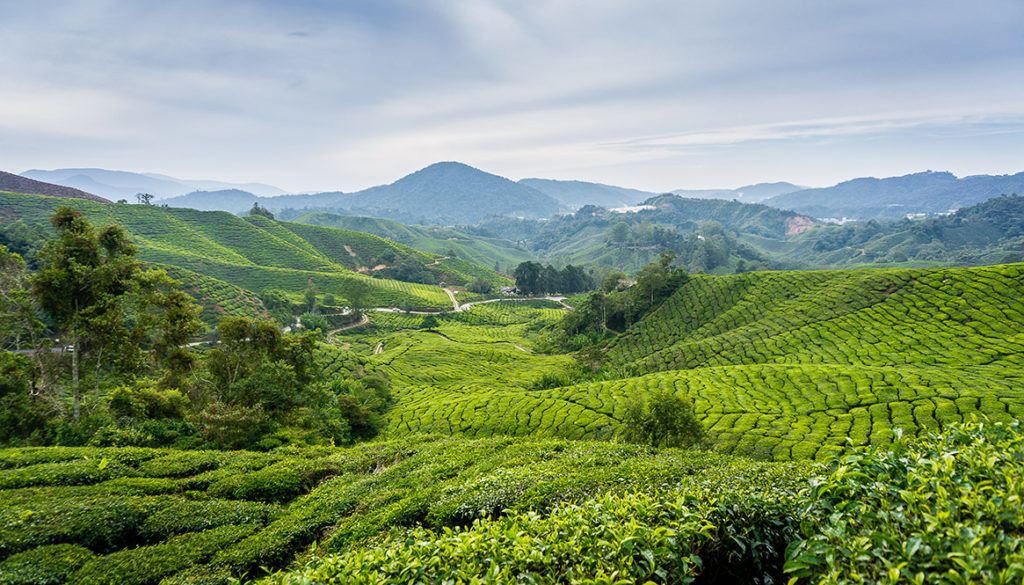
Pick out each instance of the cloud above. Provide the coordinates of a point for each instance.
(326, 94)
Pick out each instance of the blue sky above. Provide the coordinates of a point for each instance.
(651, 94)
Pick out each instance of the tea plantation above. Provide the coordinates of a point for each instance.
(861, 426)
(778, 365)
(256, 253)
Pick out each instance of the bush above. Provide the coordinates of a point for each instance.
(233, 427)
(147, 565)
(278, 483)
(46, 565)
(662, 420)
(943, 509)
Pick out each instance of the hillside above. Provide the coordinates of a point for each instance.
(256, 253)
(575, 194)
(709, 235)
(19, 184)
(438, 240)
(927, 193)
(450, 192)
(749, 194)
(778, 364)
(116, 185)
(990, 232)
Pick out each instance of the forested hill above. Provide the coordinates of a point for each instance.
(451, 192)
(896, 197)
(706, 234)
(990, 232)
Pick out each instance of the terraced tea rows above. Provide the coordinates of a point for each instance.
(772, 411)
(778, 365)
(255, 253)
(947, 317)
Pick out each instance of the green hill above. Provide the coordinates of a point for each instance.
(778, 364)
(481, 250)
(990, 232)
(255, 253)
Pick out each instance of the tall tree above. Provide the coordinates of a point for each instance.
(104, 306)
(527, 276)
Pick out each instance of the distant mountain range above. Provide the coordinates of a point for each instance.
(452, 193)
(575, 194)
(116, 185)
(749, 194)
(927, 193)
(446, 193)
(19, 184)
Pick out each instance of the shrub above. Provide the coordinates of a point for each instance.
(45, 565)
(146, 565)
(664, 419)
(233, 427)
(942, 509)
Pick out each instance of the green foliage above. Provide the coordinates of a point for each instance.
(480, 286)
(942, 509)
(636, 538)
(148, 564)
(662, 419)
(44, 565)
(157, 510)
(534, 279)
(255, 365)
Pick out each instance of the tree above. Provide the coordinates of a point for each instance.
(527, 275)
(480, 286)
(357, 293)
(144, 198)
(83, 287)
(107, 309)
(261, 211)
(255, 365)
(663, 419)
(429, 322)
(618, 233)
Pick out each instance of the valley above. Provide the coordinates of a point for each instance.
(432, 432)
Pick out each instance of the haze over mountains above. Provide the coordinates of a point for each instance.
(927, 193)
(454, 193)
(116, 185)
(748, 194)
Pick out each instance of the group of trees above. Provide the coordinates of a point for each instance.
(533, 278)
(616, 304)
(95, 348)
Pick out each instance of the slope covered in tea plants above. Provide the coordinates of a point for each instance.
(948, 317)
(777, 364)
(255, 253)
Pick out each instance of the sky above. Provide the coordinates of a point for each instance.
(312, 95)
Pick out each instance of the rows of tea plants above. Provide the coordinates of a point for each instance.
(942, 509)
(250, 253)
(139, 516)
(217, 298)
(947, 317)
(767, 411)
(431, 358)
(353, 249)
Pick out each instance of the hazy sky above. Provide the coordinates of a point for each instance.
(658, 95)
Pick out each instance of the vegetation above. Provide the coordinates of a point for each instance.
(201, 516)
(215, 250)
(762, 427)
